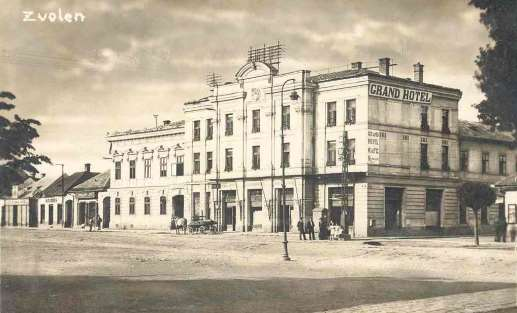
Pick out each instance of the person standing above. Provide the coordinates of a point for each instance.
(309, 226)
(301, 229)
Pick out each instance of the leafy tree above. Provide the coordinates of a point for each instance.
(477, 196)
(497, 64)
(18, 159)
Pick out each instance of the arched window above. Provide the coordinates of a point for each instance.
(132, 206)
(163, 205)
(147, 206)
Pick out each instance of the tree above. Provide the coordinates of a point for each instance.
(18, 159)
(497, 64)
(477, 196)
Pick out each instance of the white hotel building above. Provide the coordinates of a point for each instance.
(223, 162)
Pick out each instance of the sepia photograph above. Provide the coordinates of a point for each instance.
(258, 156)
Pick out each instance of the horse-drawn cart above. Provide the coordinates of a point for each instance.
(202, 226)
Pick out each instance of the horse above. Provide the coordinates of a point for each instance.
(179, 223)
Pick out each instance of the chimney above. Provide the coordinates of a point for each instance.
(14, 191)
(166, 122)
(384, 66)
(87, 167)
(419, 72)
(357, 65)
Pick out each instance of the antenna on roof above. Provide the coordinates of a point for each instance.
(270, 55)
(213, 79)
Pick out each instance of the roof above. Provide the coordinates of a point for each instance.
(98, 182)
(475, 130)
(173, 125)
(55, 189)
(364, 71)
(510, 181)
(36, 187)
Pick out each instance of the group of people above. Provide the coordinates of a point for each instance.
(306, 228)
(95, 221)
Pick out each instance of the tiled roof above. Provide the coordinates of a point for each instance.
(71, 181)
(96, 183)
(510, 181)
(476, 130)
(36, 187)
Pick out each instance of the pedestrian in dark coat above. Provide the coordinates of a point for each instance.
(301, 229)
(309, 227)
(90, 221)
(99, 222)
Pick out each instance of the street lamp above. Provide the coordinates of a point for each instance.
(62, 192)
(293, 96)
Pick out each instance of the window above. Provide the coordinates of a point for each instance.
(331, 153)
(196, 199)
(351, 151)
(255, 126)
(117, 206)
(42, 214)
(228, 165)
(424, 162)
(209, 162)
(350, 111)
(163, 205)
(163, 167)
(147, 206)
(485, 157)
(286, 117)
(285, 155)
(255, 157)
(331, 114)
(118, 169)
(502, 165)
(197, 163)
(229, 125)
(147, 168)
(179, 165)
(197, 130)
(464, 160)
(445, 158)
(132, 206)
(424, 122)
(59, 213)
(132, 169)
(433, 200)
(445, 122)
(209, 129)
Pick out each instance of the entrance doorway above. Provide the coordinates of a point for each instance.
(433, 207)
(81, 216)
(255, 208)
(230, 210)
(393, 208)
(15, 215)
(285, 211)
(106, 212)
(177, 206)
(51, 214)
(69, 210)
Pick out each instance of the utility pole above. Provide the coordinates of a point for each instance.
(344, 157)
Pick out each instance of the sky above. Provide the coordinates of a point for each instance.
(130, 59)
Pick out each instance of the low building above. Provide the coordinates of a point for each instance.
(21, 209)
(55, 196)
(508, 187)
(87, 196)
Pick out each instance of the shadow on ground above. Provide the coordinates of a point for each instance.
(105, 294)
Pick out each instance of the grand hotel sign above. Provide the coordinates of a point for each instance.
(402, 94)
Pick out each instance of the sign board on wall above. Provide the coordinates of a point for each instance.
(374, 137)
(397, 93)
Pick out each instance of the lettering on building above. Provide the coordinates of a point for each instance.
(374, 137)
(402, 94)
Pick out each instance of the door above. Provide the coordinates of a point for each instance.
(3, 215)
(81, 216)
(33, 215)
(15, 215)
(69, 213)
(177, 202)
(106, 212)
(433, 207)
(284, 212)
(51, 214)
(393, 208)
(230, 216)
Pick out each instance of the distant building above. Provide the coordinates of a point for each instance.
(508, 186)
(86, 196)
(408, 153)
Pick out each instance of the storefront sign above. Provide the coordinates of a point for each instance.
(373, 146)
(86, 195)
(396, 93)
(52, 200)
